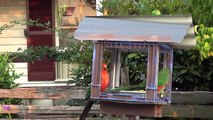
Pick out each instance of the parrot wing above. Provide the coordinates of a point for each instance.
(163, 77)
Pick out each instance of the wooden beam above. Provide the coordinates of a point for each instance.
(43, 93)
(152, 72)
(96, 69)
(192, 97)
(178, 97)
(32, 109)
(191, 104)
(188, 111)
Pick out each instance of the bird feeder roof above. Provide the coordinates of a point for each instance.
(176, 31)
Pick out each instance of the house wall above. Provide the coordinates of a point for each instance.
(81, 10)
(68, 24)
(13, 38)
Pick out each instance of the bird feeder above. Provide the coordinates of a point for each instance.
(155, 36)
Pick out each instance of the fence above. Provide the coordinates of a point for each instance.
(196, 104)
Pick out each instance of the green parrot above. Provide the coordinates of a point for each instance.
(163, 79)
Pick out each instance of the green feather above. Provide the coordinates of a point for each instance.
(163, 77)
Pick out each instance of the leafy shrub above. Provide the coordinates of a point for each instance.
(7, 74)
(7, 79)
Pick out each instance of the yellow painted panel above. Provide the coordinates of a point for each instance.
(88, 11)
(12, 34)
(79, 13)
(22, 79)
(21, 68)
(15, 27)
(21, 71)
(12, 2)
(13, 41)
(10, 48)
(63, 70)
(72, 2)
(20, 65)
(13, 10)
(9, 17)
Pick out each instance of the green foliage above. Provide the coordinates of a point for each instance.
(146, 7)
(121, 7)
(7, 74)
(204, 40)
(75, 102)
(137, 65)
(60, 13)
(82, 56)
(7, 79)
(202, 12)
(192, 68)
(32, 54)
(25, 22)
(192, 73)
(79, 53)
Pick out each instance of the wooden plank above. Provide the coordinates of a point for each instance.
(12, 2)
(197, 97)
(192, 97)
(47, 110)
(184, 104)
(188, 111)
(13, 10)
(43, 93)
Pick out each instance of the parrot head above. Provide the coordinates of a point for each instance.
(104, 66)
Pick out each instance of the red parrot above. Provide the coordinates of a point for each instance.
(104, 78)
(104, 84)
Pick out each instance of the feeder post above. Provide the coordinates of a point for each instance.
(152, 72)
(115, 67)
(96, 69)
(168, 63)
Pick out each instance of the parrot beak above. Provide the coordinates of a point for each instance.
(104, 66)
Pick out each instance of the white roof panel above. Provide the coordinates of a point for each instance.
(138, 29)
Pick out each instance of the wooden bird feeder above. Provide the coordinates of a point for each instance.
(155, 36)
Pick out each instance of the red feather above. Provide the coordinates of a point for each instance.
(104, 77)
